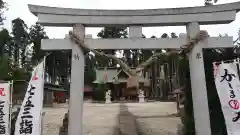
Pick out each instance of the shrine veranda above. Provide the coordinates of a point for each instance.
(191, 17)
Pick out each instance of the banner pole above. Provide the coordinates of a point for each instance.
(11, 106)
(238, 68)
(43, 113)
(33, 94)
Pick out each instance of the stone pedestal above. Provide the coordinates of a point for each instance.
(141, 97)
(108, 101)
(67, 101)
(108, 97)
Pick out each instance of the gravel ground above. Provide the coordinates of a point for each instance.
(52, 120)
(153, 118)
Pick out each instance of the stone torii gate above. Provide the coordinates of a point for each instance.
(191, 17)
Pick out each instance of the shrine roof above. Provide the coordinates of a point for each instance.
(110, 75)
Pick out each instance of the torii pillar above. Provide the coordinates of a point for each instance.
(75, 125)
(198, 84)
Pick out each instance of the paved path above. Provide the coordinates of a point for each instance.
(155, 118)
(52, 120)
(115, 119)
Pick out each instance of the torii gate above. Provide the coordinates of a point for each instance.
(191, 17)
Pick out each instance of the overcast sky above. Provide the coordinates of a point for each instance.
(19, 8)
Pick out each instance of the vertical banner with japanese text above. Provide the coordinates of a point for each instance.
(228, 88)
(29, 118)
(4, 108)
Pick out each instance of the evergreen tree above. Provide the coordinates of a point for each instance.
(111, 32)
(6, 68)
(20, 41)
(3, 7)
(5, 40)
(36, 34)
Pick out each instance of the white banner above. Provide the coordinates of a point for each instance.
(29, 118)
(228, 88)
(4, 108)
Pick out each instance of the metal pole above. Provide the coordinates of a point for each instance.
(43, 114)
(11, 106)
(43, 82)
